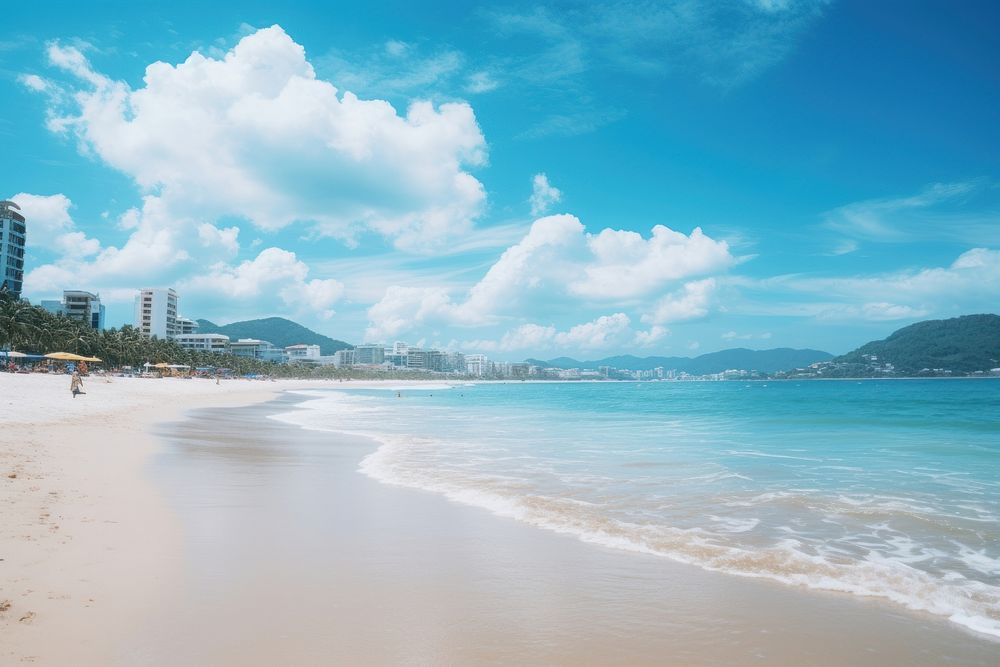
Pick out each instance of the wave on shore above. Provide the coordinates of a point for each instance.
(886, 564)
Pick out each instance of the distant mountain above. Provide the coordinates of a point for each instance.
(767, 361)
(277, 330)
(960, 344)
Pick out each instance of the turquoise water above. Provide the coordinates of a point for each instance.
(875, 488)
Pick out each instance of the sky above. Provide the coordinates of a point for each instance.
(515, 179)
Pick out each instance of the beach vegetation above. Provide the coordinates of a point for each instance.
(34, 330)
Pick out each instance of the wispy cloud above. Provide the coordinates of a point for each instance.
(969, 284)
(724, 42)
(481, 82)
(396, 68)
(967, 212)
(572, 124)
(732, 335)
(553, 51)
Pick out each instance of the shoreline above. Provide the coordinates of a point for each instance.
(385, 574)
(377, 466)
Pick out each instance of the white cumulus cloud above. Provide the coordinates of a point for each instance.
(690, 302)
(601, 333)
(274, 270)
(653, 335)
(51, 226)
(558, 261)
(527, 337)
(626, 265)
(256, 134)
(543, 195)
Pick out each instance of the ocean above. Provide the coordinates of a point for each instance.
(874, 488)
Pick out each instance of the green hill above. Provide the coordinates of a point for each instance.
(277, 330)
(960, 345)
(767, 361)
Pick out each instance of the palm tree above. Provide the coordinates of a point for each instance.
(17, 322)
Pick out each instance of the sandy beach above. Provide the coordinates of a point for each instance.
(172, 522)
(87, 541)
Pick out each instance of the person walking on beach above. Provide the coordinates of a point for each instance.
(76, 384)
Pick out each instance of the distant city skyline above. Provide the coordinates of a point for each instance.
(514, 180)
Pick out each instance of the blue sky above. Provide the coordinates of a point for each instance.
(522, 179)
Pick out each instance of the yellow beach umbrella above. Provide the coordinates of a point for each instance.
(69, 356)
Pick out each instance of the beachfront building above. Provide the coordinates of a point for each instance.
(303, 352)
(85, 307)
(156, 312)
(477, 364)
(434, 360)
(426, 360)
(369, 355)
(186, 326)
(416, 358)
(343, 358)
(518, 369)
(254, 348)
(207, 342)
(78, 305)
(12, 235)
(453, 362)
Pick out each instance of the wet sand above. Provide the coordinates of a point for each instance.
(289, 556)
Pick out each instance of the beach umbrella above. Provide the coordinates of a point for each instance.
(69, 356)
(13, 355)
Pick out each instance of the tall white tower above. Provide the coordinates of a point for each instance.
(156, 312)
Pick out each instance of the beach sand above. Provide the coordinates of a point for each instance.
(86, 541)
(226, 537)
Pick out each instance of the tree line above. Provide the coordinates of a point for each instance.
(32, 329)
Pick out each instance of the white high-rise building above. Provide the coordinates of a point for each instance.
(476, 364)
(156, 312)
